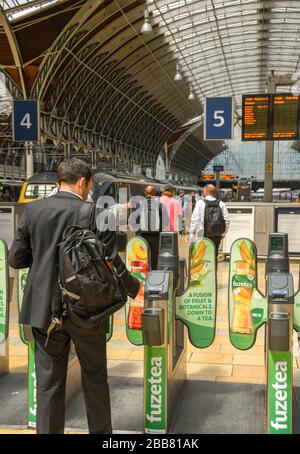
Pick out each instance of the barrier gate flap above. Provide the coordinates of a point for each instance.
(196, 308)
(4, 292)
(22, 278)
(26, 337)
(247, 309)
(110, 328)
(32, 402)
(137, 262)
(297, 312)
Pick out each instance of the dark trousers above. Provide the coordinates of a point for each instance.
(51, 365)
(153, 239)
(216, 241)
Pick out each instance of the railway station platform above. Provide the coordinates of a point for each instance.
(189, 98)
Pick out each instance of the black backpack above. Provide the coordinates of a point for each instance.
(90, 288)
(214, 223)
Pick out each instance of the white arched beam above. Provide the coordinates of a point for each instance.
(13, 43)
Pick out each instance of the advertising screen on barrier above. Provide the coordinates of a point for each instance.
(166, 244)
(276, 244)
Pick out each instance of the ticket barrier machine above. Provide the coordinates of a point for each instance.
(164, 338)
(280, 295)
(4, 308)
(171, 300)
(249, 310)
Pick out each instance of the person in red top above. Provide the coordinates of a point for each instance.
(173, 208)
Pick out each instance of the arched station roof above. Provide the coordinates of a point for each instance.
(108, 88)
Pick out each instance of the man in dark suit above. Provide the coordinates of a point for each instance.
(153, 218)
(36, 246)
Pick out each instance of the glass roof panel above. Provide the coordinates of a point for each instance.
(17, 8)
(214, 38)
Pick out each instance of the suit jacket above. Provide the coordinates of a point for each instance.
(36, 246)
(154, 215)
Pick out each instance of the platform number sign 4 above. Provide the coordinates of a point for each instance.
(26, 121)
(218, 119)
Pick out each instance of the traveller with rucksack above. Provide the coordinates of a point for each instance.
(76, 280)
(152, 219)
(210, 218)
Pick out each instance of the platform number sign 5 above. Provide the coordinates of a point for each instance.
(26, 121)
(218, 118)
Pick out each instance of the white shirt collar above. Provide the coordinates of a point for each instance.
(71, 192)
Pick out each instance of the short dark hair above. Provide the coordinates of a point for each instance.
(169, 187)
(71, 170)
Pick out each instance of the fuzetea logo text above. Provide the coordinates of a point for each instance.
(155, 381)
(281, 396)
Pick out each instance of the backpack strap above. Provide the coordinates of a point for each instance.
(213, 203)
(84, 216)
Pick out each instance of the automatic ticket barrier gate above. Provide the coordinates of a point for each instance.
(164, 338)
(170, 300)
(249, 310)
(280, 294)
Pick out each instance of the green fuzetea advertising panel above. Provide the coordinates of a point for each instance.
(297, 312)
(155, 390)
(280, 388)
(196, 308)
(137, 262)
(247, 309)
(110, 328)
(22, 278)
(32, 402)
(4, 292)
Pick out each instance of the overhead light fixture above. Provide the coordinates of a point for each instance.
(146, 27)
(191, 96)
(178, 76)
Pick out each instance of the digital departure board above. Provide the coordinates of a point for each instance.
(255, 117)
(285, 117)
(270, 117)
